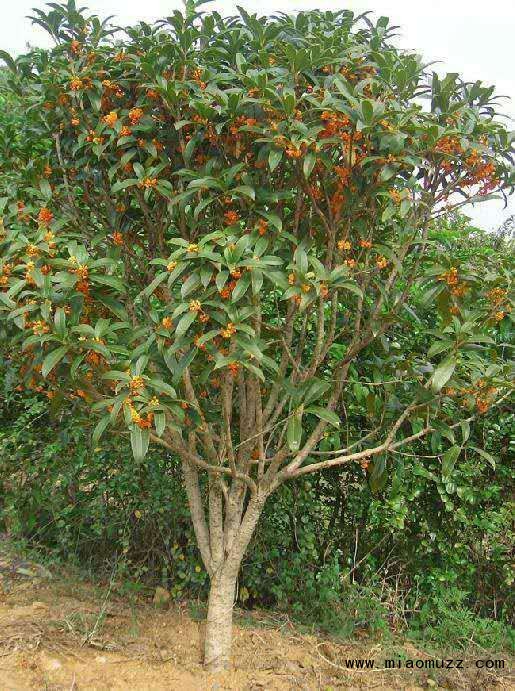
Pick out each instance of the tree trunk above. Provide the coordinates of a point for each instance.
(218, 638)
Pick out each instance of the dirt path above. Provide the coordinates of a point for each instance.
(58, 633)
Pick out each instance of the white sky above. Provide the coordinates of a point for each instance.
(468, 36)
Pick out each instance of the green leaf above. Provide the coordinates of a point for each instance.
(274, 158)
(367, 110)
(139, 443)
(110, 281)
(439, 347)
(184, 323)
(449, 458)
(324, 414)
(123, 185)
(309, 163)
(220, 281)
(274, 219)
(45, 188)
(60, 322)
(190, 284)
(163, 387)
(100, 428)
(443, 372)
(378, 475)
(257, 280)
(241, 287)
(484, 454)
(245, 190)
(152, 286)
(352, 288)
(294, 431)
(184, 362)
(159, 423)
(52, 359)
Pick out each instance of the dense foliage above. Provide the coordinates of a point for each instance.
(218, 240)
(333, 553)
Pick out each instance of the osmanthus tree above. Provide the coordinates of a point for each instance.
(222, 239)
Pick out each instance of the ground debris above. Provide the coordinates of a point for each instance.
(64, 634)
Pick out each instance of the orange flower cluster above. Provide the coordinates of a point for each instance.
(228, 331)
(117, 238)
(337, 200)
(148, 183)
(135, 115)
(334, 123)
(143, 422)
(395, 195)
(200, 346)
(496, 296)
(484, 175)
(81, 271)
(498, 300)
(482, 392)
(226, 291)
(83, 287)
(197, 77)
(76, 84)
(39, 327)
(125, 131)
(448, 145)
(6, 272)
(459, 290)
(111, 118)
(94, 358)
(262, 226)
(366, 244)
(293, 152)
(167, 322)
(343, 174)
(94, 138)
(241, 121)
(484, 395)
(450, 277)
(231, 217)
(381, 262)
(136, 384)
(45, 216)
(344, 245)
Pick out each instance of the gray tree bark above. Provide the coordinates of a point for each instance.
(218, 632)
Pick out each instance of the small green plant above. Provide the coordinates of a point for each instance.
(446, 622)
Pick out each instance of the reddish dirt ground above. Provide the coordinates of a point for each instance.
(59, 633)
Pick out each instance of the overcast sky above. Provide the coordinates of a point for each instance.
(470, 37)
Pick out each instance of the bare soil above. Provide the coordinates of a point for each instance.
(61, 633)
